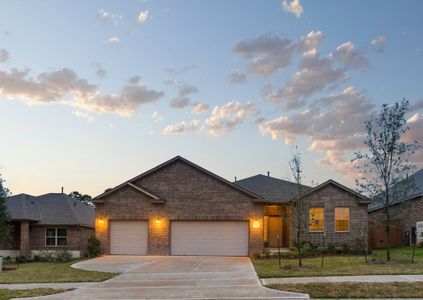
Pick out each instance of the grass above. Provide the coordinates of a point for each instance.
(356, 290)
(344, 265)
(9, 294)
(51, 272)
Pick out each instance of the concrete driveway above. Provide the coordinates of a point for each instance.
(175, 277)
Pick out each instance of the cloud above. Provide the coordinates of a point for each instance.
(415, 133)
(350, 57)
(84, 115)
(106, 17)
(143, 16)
(179, 102)
(226, 117)
(4, 55)
(177, 72)
(182, 100)
(333, 124)
(182, 127)
(416, 106)
(112, 41)
(315, 74)
(379, 43)
(156, 116)
(293, 6)
(100, 72)
(266, 54)
(200, 108)
(236, 77)
(65, 87)
(311, 41)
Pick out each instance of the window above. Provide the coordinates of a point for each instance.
(316, 219)
(342, 219)
(56, 237)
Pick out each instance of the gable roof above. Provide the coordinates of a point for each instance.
(131, 181)
(50, 209)
(273, 190)
(363, 199)
(416, 191)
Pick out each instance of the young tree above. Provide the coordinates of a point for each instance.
(298, 210)
(386, 164)
(5, 227)
(86, 199)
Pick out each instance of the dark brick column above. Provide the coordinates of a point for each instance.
(25, 247)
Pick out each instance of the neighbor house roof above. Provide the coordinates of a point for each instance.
(273, 190)
(50, 209)
(414, 192)
(155, 198)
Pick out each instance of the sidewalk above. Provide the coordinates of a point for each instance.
(27, 286)
(364, 278)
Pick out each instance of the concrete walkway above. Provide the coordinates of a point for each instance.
(364, 278)
(174, 277)
(28, 286)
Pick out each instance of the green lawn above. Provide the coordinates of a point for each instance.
(51, 272)
(9, 294)
(356, 290)
(344, 265)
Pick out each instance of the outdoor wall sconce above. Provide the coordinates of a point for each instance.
(158, 221)
(256, 224)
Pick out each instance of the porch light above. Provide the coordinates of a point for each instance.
(256, 224)
(101, 221)
(158, 221)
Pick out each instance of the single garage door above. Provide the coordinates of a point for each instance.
(129, 237)
(209, 238)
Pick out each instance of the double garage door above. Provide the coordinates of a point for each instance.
(186, 238)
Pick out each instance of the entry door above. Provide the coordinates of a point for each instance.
(128, 237)
(275, 230)
(209, 238)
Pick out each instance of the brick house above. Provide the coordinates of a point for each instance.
(50, 222)
(406, 213)
(331, 209)
(180, 208)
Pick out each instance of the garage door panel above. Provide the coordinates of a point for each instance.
(209, 238)
(129, 237)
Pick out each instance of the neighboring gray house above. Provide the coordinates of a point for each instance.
(407, 212)
(50, 222)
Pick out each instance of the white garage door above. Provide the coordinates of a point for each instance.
(129, 237)
(209, 238)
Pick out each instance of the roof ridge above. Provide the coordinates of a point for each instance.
(68, 199)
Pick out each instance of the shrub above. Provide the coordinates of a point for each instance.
(21, 259)
(313, 248)
(266, 253)
(94, 246)
(256, 255)
(63, 256)
(331, 249)
(346, 248)
(45, 256)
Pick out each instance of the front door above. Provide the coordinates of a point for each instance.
(275, 232)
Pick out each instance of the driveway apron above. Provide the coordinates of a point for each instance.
(174, 277)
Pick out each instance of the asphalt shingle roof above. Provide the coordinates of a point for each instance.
(273, 190)
(50, 209)
(416, 191)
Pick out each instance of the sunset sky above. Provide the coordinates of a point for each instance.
(93, 93)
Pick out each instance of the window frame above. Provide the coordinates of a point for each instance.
(56, 237)
(323, 219)
(349, 220)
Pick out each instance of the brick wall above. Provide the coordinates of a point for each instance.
(330, 197)
(404, 218)
(74, 235)
(189, 194)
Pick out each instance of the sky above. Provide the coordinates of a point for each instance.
(93, 93)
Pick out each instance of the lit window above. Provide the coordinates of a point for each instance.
(316, 219)
(342, 219)
(56, 237)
